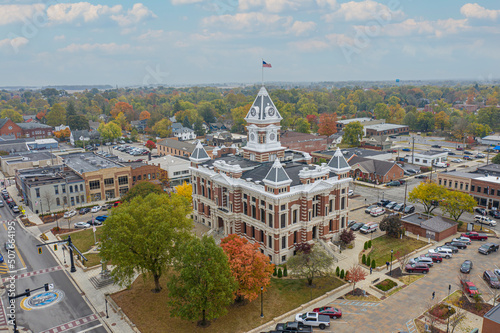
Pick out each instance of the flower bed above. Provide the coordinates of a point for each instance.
(442, 311)
(386, 285)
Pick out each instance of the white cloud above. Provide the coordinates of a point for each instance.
(473, 10)
(327, 3)
(312, 45)
(413, 27)
(299, 28)
(364, 11)
(135, 15)
(13, 43)
(19, 13)
(185, 2)
(151, 35)
(60, 37)
(106, 48)
(247, 21)
(69, 12)
(274, 6)
(212, 36)
(339, 39)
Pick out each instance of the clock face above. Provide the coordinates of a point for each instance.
(252, 137)
(271, 112)
(253, 112)
(10, 127)
(272, 136)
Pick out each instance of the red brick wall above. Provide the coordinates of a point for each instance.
(13, 130)
(490, 326)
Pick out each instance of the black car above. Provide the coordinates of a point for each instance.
(409, 209)
(357, 226)
(467, 152)
(94, 222)
(466, 267)
(451, 153)
(421, 176)
(394, 183)
(453, 249)
(351, 223)
(383, 202)
(458, 245)
(84, 211)
(494, 213)
(292, 327)
(436, 146)
(481, 211)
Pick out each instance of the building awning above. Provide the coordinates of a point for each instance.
(497, 148)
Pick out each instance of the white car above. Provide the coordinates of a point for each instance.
(445, 253)
(377, 211)
(446, 149)
(485, 220)
(350, 193)
(83, 225)
(457, 160)
(465, 240)
(95, 209)
(69, 214)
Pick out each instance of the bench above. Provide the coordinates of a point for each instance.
(376, 280)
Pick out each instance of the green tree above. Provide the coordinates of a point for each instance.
(144, 235)
(198, 127)
(78, 122)
(381, 111)
(310, 264)
(142, 189)
(425, 121)
(110, 131)
(163, 128)
(353, 132)
(428, 194)
(303, 126)
(12, 115)
(186, 122)
(456, 203)
(391, 225)
(134, 135)
(204, 285)
(496, 159)
(207, 111)
(56, 116)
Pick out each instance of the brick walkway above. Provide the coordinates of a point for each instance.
(73, 324)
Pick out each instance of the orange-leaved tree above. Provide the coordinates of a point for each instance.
(186, 190)
(356, 274)
(327, 124)
(65, 133)
(251, 268)
(121, 107)
(144, 115)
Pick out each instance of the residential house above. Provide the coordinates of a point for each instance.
(379, 142)
(374, 170)
(182, 133)
(140, 125)
(83, 135)
(8, 127)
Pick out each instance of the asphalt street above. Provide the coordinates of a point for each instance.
(32, 270)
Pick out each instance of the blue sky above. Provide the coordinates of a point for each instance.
(214, 41)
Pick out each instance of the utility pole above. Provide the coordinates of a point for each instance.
(406, 190)
(413, 151)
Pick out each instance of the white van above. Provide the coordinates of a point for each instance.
(440, 165)
(445, 253)
(485, 220)
(377, 211)
(369, 228)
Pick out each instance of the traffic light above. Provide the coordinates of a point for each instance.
(46, 287)
(27, 293)
(39, 250)
(55, 247)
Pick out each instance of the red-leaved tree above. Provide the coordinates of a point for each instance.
(327, 124)
(250, 268)
(150, 145)
(356, 274)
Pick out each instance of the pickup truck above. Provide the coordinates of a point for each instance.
(474, 235)
(292, 327)
(488, 248)
(469, 288)
(313, 319)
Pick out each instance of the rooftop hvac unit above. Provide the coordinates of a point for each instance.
(93, 162)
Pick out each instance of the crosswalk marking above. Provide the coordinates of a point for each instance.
(3, 268)
(357, 303)
(411, 326)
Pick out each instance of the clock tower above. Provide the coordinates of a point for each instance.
(263, 126)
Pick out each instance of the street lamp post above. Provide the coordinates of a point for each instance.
(261, 302)
(448, 325)
(390, 272)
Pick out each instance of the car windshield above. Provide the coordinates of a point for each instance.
(493, 278)
(472, 287)
(465, 264)
(304, 316)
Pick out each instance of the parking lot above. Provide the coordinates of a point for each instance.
(123, 156)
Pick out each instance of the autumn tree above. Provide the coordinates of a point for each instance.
(381, 111)
(204, 285)
(185, 190)
(303, 126)
(353, 132)
(327, 124)
(163, 128)
(56, 116)
(62, 134)
(403, 257)
(142, 189)
(110, 131)
(392, 225)
(12, 115)
(456, 203)
(310, 265)
(144, 115)
(144, 235)
(356, 274)
(347, 236)
(428, 194)
(150, 145)
(121, 121)
(251, 269)
(122, 107)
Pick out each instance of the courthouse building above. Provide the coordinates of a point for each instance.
(271, 196)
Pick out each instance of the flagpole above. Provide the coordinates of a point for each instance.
(262, 68)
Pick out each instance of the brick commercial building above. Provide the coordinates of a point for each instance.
(436, 228)
(8, 127)
(303, 142)
(268, 195)
(35, 130)
(177, 148)
(491, 320)
(143, 172)
(375, 170)
(174, 170)
(386, 129)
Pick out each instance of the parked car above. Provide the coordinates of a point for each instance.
(436, 257)
(480, 155)
(480, 210)
(94, 222)
(475, 235)
(491, 279)
(445, 253)
(409, 209)
(377, 211)
(421, 176)
(469, 287)
(466, 152)
(394, 183)
(330, 311)
(383, 202)
(436, 146)
(350, 193)
(417, 268)
(468, 158)
(458, 245)
(81, 225)
(457, 160)
(357, 226)
(485, 220)
(84, 211)
(391, 205)
(313, 319)
(422, 260)
(460, 148)
(107, 206)
(406, 149)
(293, 327)
(95, 209)
(15, 209)
(450, 153)
(1, 258)
(453, 249)
(369, 208)
(495, 213)
(447, 149)
(101, 218)
(399, 207)
(369, 228)
(69, 214)
(466, 267)
(465, 240)
(440, 165)
(1, 203)
(488, 248)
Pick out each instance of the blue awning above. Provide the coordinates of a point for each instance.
(497, 148)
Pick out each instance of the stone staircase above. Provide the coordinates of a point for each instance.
(101, 280)
(328, 248)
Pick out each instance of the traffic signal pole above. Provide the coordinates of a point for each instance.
(71, 247)
(27, 293)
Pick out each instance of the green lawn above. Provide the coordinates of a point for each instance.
(93, 259)
(151, 314)
(383, 245)
(84, 240)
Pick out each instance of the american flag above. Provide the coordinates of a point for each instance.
(265, 64)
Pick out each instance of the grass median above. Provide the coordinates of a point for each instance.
(84, 239)
(150, 311)
(383, 245)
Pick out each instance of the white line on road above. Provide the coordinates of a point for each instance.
(90, 328)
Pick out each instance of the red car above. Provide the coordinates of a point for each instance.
(436, 257)
(460, 148)
(470, 288)
(418, 268)
(332, 312)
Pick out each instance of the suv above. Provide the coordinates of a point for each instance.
(459, 245)
(488, 248)
(422, 268)
(369, 228)
(409, 209)
(445, 253)
(399, 207)
(369, 208)
(485, 220)
(436, 257)
(492, 279)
